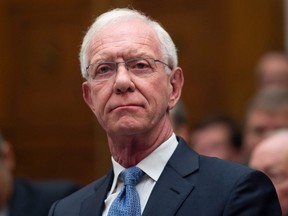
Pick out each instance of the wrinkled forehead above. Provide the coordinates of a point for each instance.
(124, 35)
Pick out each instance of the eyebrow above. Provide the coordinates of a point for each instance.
(109, 58)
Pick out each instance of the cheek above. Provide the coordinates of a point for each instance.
(282, 190)
(155, 90)
(99, 97)
(162, 100)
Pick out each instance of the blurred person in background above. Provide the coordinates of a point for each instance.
(179, 120)
(271, 157)
(19, 197)
(217, 136)
(272, 71)
(267, 111)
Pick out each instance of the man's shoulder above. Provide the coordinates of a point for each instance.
(185, 155)
(45, 188)
(36, 197)
(214, 163)
(229, 174)
(72, 203)
(210, 169)
(84, 192)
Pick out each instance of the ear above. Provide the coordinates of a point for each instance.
(86, 91)
(176, 83)
(8, 156)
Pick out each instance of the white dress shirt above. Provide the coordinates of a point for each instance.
(152, 166)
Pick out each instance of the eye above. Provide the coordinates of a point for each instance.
(139, 64)
(104, 68)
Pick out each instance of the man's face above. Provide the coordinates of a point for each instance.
(128, 104)
(273, 73)
(272, 159)
(261, 123)
(213, 141)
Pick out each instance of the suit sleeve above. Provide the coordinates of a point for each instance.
(253, 194)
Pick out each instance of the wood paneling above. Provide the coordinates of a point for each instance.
(50, 126)
(42, 112)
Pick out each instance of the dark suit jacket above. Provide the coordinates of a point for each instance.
(35, 198)
(190, 184)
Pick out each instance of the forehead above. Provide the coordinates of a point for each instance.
(279, 114)
(274, 63)
(125, 38)
(273, 150)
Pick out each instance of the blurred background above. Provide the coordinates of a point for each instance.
(42, 113)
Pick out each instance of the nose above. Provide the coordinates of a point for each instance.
(123, 81)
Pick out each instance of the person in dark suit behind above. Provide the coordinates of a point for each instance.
(22, 197)
(132, 82)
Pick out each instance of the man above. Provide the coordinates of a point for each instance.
(19, 197)
(267, 112)
(133, 80)
(271, 156)
(272, 71)
(217, 136)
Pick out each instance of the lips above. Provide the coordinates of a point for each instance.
(123, 106)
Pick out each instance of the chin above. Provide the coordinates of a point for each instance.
(127, 130)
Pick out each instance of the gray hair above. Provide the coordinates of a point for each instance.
(168, 47)
(268, 100)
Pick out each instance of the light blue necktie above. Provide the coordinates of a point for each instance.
(127, 203)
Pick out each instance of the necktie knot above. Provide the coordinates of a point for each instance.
(132, 175)
(127, 202)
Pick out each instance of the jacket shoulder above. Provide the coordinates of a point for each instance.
(36, 197)
(71, 205)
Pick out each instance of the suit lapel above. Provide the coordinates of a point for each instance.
(94, 204)
(172, 188)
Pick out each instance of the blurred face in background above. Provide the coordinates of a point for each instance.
(271, 157)
(6, 179)
(261, 123)
(214, 141)
(272, 72)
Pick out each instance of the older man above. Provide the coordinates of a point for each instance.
(132, 82)
(271, 156)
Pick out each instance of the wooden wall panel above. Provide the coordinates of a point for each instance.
(51, 128)
(252, 30)
(6, 63)
(42, 112)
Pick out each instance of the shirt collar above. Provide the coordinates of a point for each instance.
(153, 164)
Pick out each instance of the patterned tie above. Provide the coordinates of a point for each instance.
(127, 203)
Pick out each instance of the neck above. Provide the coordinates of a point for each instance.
(130, 150)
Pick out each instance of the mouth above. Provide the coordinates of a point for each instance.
(126, 107)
